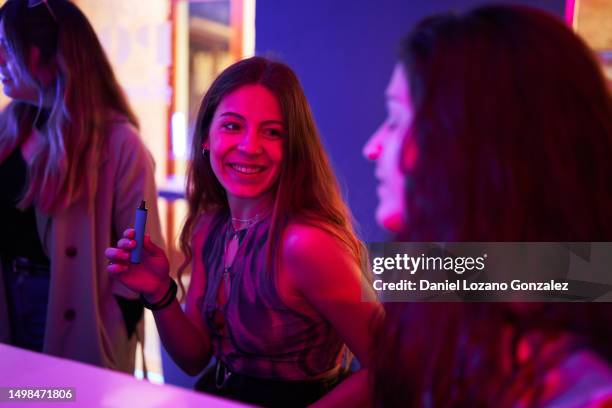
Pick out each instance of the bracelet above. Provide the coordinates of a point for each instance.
(164, 301)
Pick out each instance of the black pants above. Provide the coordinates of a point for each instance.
(26, 284)
(27, 290)
(263, 392)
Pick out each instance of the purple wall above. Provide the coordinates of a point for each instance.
(344, 51)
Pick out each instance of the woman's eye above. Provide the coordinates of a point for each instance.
(231, 126)
(273, 132)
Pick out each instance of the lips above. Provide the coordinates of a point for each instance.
(247, 169)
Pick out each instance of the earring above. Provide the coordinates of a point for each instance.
(205, 150)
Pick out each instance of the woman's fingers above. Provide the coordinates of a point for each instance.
(129, 233)
(115, 268)
(116, 255)
(126, 244)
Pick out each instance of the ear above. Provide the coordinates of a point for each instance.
(205, 142)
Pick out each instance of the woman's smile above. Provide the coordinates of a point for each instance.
(247, 169)
(246, 142)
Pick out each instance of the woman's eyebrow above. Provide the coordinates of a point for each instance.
(273, 122)
(264, 122)
(234, 114)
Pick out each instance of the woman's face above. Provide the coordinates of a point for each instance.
(384, 148)
(14, 80)
(246, 142)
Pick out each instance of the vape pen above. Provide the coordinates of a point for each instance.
(139, 231)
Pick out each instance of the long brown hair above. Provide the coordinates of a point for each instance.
(317, 200)
(513, 132)
(84, 92)
(463, 355)
(512, 127)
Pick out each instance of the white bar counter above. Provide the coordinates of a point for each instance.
(94, 386)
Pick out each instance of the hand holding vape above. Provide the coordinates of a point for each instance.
(139, 231)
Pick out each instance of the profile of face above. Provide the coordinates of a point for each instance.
(384, 148)
(246, 142)
(14, 81)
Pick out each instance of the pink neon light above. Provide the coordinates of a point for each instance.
(569, 12)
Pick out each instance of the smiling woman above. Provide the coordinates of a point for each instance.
(246, 142)
(262, 200)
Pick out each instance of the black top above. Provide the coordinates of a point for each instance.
(18, 232)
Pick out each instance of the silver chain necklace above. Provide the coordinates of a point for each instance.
(245, 222)
(233, 241)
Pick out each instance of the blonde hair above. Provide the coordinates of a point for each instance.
(84, 93)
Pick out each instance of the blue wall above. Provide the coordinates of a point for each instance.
(344, 51)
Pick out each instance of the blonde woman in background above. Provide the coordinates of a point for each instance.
(72, 172)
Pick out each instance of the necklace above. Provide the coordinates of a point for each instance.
(245, 222)
(233, 239)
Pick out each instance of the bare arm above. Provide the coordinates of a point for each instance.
(321, 268)
(183, 334)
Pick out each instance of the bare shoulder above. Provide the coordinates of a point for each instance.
(311, 251)
(301, 239)
(323, 271)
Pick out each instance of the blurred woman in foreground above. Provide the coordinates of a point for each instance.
(501, 122)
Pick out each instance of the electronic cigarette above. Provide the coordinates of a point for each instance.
(139, 231)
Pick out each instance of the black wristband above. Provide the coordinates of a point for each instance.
(164, 301)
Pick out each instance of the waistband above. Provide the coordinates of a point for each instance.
(24, 266)
(245, 388)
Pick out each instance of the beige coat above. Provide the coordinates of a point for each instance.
(84, 322)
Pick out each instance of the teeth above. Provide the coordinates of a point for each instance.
(246, 169)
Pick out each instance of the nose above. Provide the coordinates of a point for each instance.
(373, 147)
(250, 143)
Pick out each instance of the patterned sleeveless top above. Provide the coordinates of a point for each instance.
(260, 336)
